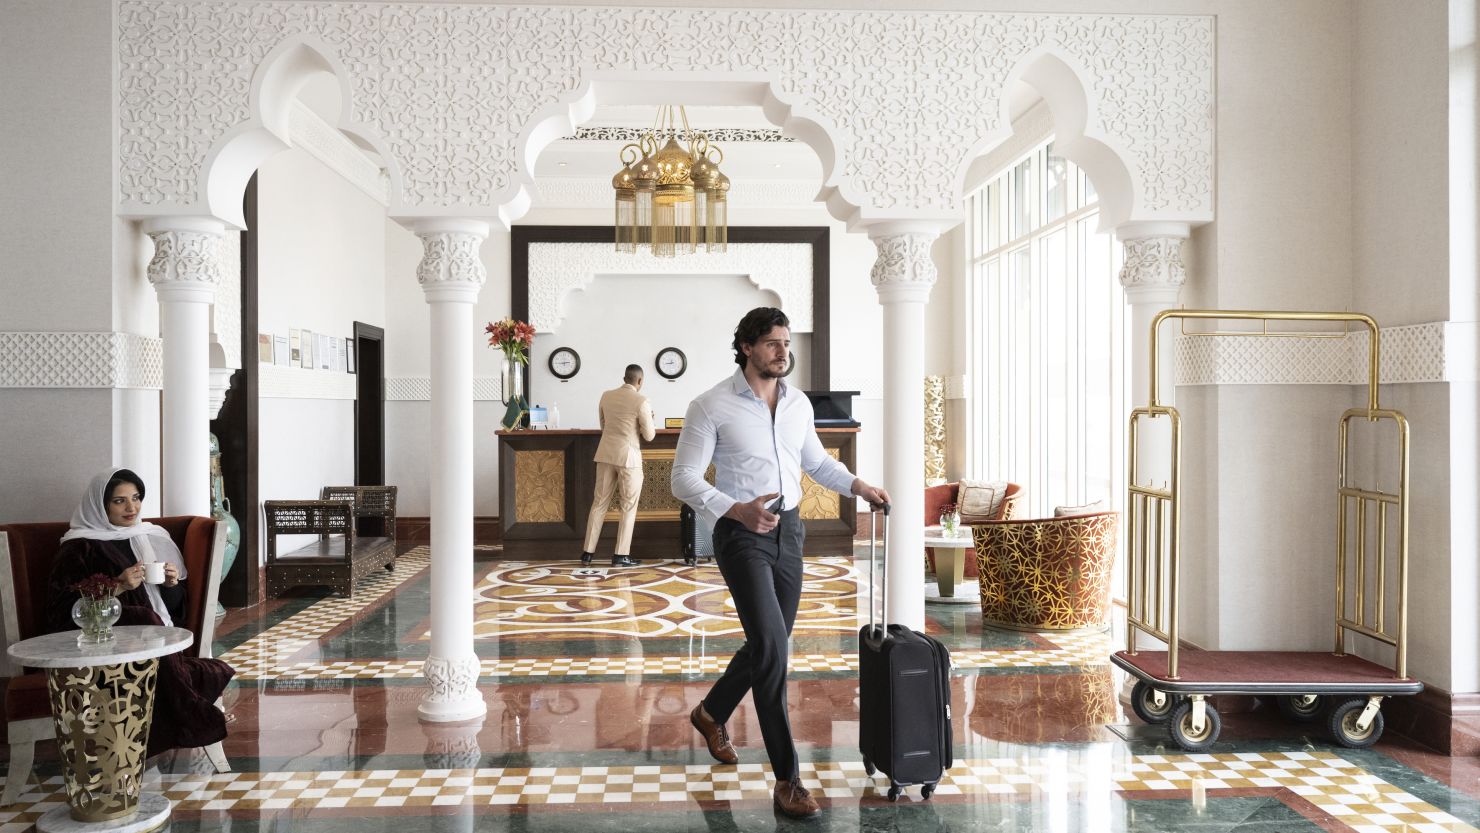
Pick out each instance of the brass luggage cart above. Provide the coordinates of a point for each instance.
(1340, 689)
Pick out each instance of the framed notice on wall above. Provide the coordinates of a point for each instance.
(349, 354)
(281, 353)
(264, 348)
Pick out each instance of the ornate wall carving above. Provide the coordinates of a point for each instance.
(324, 142)
(935, 430)
(1153, 261)
(557, 268)
(1415, 353)
(81, 360)
(419, 389)
(477, 74)
(185, 257)
(450, 258)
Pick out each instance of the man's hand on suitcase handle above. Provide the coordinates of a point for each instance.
(878, 499)
(754, 516)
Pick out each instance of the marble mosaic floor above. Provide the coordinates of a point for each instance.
(589, 675)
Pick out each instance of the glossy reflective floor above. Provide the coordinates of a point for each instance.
(589, 676)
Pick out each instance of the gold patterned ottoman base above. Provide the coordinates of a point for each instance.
(102, 718)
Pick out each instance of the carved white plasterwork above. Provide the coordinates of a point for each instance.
(319, 139)
(451, 681)
(190, 258)
(419, 389)
(450, 258)
(904, 269)
(449, 88)
(1409, 354)
(81, 360)
(279, 382)
(577, 192)
(555, 269)
(1153, 262)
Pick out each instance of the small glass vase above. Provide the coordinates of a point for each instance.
(950, 524)
(96, 617)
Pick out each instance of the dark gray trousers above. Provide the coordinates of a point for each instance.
(764, 574)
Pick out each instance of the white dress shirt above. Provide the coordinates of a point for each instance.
(753, 453)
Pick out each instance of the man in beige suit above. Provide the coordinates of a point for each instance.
(625, 415)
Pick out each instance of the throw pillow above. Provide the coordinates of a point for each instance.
(980, 501)
(1086, 509)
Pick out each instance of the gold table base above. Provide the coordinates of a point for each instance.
(102, 716)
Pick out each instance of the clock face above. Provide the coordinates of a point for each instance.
(671, 363)
(564, 363)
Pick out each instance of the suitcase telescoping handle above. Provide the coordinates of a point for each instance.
(875, 632)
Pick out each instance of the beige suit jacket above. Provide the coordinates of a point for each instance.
(625, 415)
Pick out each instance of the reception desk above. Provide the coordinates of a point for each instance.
(547, 480)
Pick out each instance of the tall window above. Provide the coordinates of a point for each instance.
(1047, 336)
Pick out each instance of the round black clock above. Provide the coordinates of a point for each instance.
(564, 363)
(791, 363)
(671, 363)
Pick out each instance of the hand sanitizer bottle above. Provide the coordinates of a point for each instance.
(555, 415)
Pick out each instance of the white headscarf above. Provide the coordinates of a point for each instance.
(149, 542)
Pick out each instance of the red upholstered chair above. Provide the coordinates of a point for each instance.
(26, 555)
(938, 496)
(1051, 574)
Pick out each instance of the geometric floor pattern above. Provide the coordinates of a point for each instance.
(588, 675)
(1364, 802)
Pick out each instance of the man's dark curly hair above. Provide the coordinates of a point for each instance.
(755, 324)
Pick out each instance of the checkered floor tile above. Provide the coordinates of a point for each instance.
(1362, 800)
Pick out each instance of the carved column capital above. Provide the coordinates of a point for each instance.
(187, 258)
(451, 268)
(1153, 266)
(904, 270)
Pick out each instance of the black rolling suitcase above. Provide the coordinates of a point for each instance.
(694, 537)
(904, 696)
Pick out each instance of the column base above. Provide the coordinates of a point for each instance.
(153, 812)
(453, 694)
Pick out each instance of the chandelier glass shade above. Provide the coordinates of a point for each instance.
(671, 198)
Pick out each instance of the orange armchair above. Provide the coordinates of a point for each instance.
(938, 496)
(1047, 575)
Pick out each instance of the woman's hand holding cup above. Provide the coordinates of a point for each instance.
(154, 572)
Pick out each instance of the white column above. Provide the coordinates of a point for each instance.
(1152, 275)
(185, 272)
(903, 274)
(451, 273)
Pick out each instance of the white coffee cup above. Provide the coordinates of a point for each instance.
(154, 572)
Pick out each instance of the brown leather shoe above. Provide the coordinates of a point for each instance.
(792, 799)
(715, 736)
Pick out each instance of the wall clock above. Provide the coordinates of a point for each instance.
(671, 363)
(564, 363)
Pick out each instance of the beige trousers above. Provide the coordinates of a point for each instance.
(626, 484)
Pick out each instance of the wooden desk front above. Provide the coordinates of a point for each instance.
(547, 480)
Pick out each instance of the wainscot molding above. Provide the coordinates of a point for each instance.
(278, 382)
(81, 360)
(1439, 351)
(419, 389)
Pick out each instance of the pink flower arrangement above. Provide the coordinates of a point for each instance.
(948, 508)
(97, 587)
(511, 336)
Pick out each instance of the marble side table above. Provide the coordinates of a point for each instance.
(102, 699)
(950, 566)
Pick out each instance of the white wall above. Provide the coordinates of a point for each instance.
(321, 267)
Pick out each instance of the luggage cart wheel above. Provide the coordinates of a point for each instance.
(1186, 736)
(868, 766)
(894, 793)
(1302, 708)
(1144, 703)
(1345, 723)
(691, 561)
(927, 791)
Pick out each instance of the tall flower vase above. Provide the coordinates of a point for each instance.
(513, 380)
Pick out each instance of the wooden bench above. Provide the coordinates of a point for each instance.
(341, 556)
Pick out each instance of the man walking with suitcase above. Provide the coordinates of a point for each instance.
(759, 433)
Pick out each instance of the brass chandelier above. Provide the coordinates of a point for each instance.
(671, 199)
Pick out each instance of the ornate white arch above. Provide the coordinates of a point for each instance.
(464, 96)
(558, 269)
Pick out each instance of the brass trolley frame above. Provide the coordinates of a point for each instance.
(1155, 513)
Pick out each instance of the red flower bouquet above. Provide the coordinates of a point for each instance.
(512, 337)
(97, 587)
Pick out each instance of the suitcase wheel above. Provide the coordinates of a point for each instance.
(868, 766)
(894, 793)
(926, 791)
(691, 561)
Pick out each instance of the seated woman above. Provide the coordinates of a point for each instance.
(107, 537)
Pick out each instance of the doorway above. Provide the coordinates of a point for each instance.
(369, 358)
